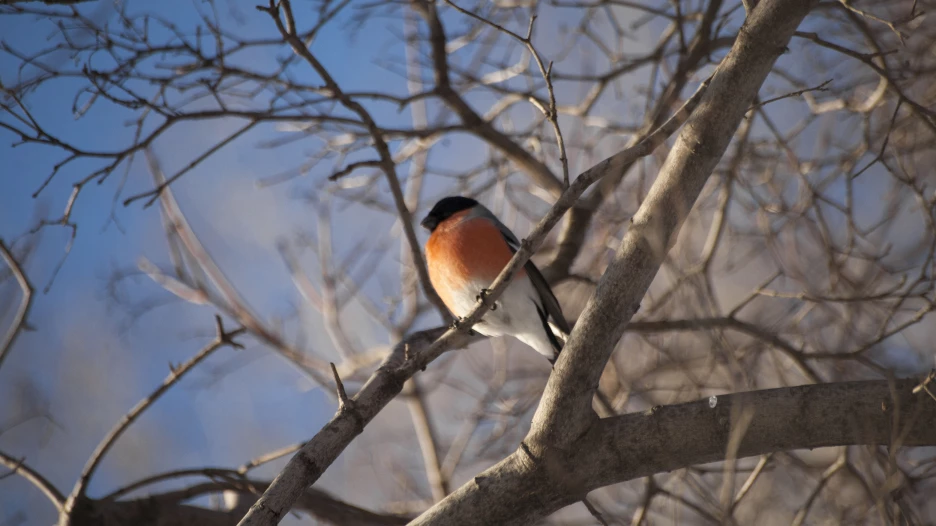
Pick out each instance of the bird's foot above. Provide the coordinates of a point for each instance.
(482, 296)
(458, 323)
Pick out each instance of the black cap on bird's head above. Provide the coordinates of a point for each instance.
(446, 208)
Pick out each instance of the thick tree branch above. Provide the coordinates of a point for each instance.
(520, 490)
(565, 413)
(575, 229)
(420, 349)
(349, 422)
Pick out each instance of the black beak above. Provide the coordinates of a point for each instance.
(429, 223)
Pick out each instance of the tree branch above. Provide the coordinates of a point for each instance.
(317, 454)
(626, 447)
(538, 171)
(77, 497)
(167, 508)
(288, 30)
(419, 349)
(19, 320)
(19, 467)
(565, 413)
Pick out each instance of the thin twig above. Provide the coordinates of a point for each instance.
(847, 4)
(741, 417)
(154, 194)
(594, 512)
(19, 320)
(222, 338)
(826, 476)
(924, 384)
(926, 115)
(650, 491)
(820, 87)
(20, 468)
(352, 167)
(546, 72)
(752, 478)
(390, 377)
(343, 400)
(66, 222)
(425, 434)
(288, 31)
(529, 244)
(268, 457)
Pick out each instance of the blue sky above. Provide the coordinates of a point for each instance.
(86, 364)
(88, 361)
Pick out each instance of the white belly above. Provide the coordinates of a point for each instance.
(515, 315)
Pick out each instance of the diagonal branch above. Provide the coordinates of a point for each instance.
(666, 438)
(19, 320)
(416, 351)
(427, 438)
(534, 168)
(281, 13)
(550, 112)
(19, 467)
(223, 338)
(565, 413)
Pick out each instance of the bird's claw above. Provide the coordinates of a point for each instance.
(457, 325)
(482, 297)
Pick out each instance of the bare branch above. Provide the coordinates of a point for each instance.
(594, 512)
(639, 444)
(19, 467)
(306, 467)
(551, 113)
(222, 338)
(565, 412)
(19, 319)
(343, 400)
(288, 32)
(806, 257)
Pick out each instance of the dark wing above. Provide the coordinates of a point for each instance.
(548, 299)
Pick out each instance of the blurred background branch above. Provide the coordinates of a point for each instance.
(287, 189)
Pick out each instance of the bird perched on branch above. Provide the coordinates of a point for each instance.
(467, 248)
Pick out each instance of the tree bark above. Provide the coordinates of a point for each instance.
(308, 464)
(539, 479)
(522, 489)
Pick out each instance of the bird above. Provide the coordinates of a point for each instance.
(466, 250)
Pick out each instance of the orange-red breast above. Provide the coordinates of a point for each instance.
(467, 248)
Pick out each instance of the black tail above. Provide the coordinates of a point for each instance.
(553, 339)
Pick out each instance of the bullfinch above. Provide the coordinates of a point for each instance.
(467, 248)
